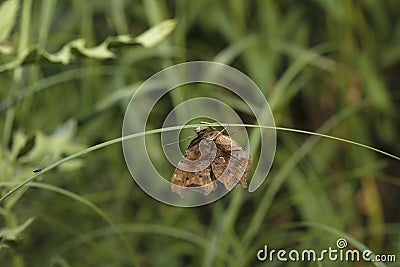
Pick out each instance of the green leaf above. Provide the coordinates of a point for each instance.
(77, 47)
(6, 48)
(8, 13)
(72, 165)
(19, 142)
(14, 232)
(156, 34)
(49, 148)
(99, 52)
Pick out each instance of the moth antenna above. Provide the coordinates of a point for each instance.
(220, 124)
(227, 125)
(224, 127)
(179, 141)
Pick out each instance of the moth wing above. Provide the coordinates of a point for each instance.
(183, 182)
(242, 180)
(231, 167)
(226, 143)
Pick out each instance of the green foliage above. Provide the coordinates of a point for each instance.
(8, 13)
(328, 67)
(12, 234)
(68, 52)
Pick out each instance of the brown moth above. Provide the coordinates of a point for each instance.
(211, 155)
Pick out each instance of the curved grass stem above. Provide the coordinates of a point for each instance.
(136, 135)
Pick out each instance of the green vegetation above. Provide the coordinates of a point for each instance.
(69, 68)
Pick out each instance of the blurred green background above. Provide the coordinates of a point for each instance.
(324, 66)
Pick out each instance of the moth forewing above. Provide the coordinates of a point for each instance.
(229, 164)
(183, 182)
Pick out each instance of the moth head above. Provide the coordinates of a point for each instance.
(202, 130)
